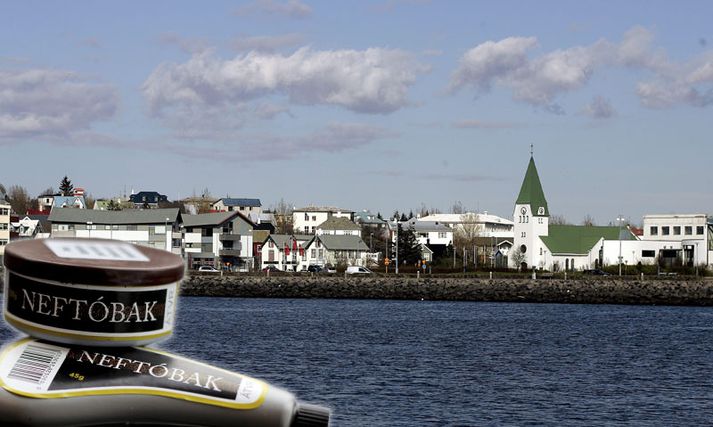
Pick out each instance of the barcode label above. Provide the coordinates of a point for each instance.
(114, 251)
(32, 367)
(35, 364)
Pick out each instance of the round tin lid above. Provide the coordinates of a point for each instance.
(93, 262)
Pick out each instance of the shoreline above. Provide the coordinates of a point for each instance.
(573, 291)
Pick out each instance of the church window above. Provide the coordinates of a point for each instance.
(523, 248)
(523, 234)
(540, 251)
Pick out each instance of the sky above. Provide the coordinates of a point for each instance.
(380, 105)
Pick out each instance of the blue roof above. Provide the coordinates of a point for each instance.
(241, 202)
(59, 201)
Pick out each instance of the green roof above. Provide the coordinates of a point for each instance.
(531, 191)
(580, 239)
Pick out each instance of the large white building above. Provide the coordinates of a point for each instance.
(482, 224)
(156, 228)
(667, 239)
(220, 239)
(306, 220)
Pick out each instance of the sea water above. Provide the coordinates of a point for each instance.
(414, 363)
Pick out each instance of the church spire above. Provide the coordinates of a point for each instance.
(531, 191)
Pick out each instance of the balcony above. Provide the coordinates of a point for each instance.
(230, 252)
(229, 237)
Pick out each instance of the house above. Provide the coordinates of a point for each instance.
(157, 228)
(367, 219)
(244, 206)
(480, 224)
(690, 236)
(338, 226)
(219, 239)
(150, 198)
(68, 202)
(4, 224)
(334, 250)
(46, 201)
(26, 228)
(305, 220)
(285, 252)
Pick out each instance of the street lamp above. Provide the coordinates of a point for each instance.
(397, 245)
(620, 218)
(168, 238)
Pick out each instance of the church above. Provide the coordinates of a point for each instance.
(541, 245)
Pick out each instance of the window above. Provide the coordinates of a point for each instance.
(648, 254)
(665, 230)
(270, 244)
(540, 251)
(676, 230)
(314, 218)
(321, 253)
(699, 230)
(4, 211)
(688, 230)
(306, 217)
(313, 253)
(271, 255)
(442, 235)
(523, 234)
(654, 231)
(3, 242)
(3, 226)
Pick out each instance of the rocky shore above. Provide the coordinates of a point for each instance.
(597, 291)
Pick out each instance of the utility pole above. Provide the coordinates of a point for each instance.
(397, 246)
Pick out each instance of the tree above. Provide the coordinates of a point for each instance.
(113, 206)
(65, 186)
(558, 220)
(3, 193)
(518, 257)
(283, 217)
(49, 191)
(403, 218)
(19, 199)
(467, 232)
(457, 207)
(409, 248)
(588, 221)
(410, 214)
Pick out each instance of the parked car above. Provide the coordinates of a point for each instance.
(315, 268)
(270, 268)
(329, 269)
(207, 269)
(353, 269)
(596, 272)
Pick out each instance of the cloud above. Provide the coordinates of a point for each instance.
(334, 138)
(270, 111)
(266, 43)
(481, 124)
(540, 80)
(599, 108)
(291, 8)
(374, 81)
(45, 102)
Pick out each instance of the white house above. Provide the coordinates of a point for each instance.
(157, 228)
(245, 206)
(429, 232)
(220, 239)
(305, 220)
(68, 202)
(338, 226)
(691, 234)
(484, 224)
(331, 249)
(26, 228)
(285, 252)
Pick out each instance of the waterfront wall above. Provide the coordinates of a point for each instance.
(602, 291)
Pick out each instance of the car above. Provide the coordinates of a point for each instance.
(270, 268)
(315, 268)
(353, 269)
(596, 272)
(329, 269)
(207, 269)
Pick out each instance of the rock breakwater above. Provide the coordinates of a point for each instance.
(602, 291)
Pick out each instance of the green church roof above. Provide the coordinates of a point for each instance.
(580, 239)
(531, 191)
